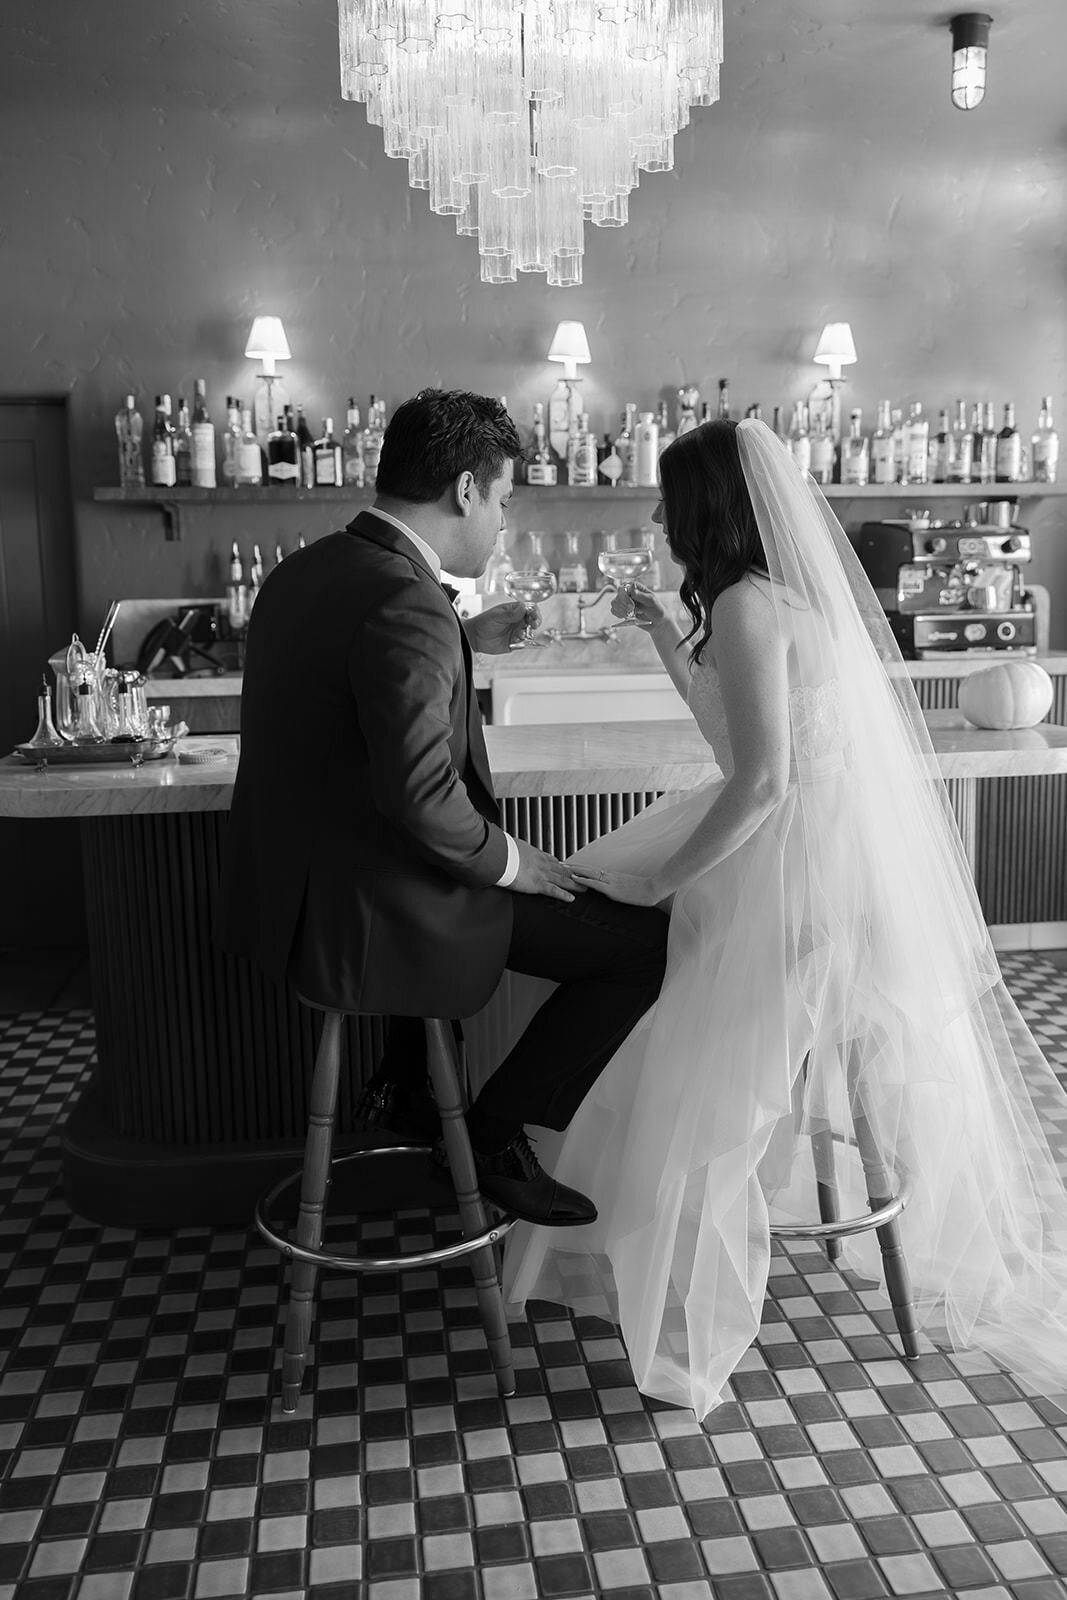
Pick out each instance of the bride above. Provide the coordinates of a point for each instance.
(828, 963)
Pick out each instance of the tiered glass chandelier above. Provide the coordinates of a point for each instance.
(525, 119)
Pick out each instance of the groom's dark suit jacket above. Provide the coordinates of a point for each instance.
(363, 839)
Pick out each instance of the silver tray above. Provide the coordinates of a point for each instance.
(94, 755)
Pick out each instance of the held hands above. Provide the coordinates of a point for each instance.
(626, 887)
(633, 603)
(501, 628)
(540, 873)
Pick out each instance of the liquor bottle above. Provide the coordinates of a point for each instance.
(779, 424)
(583, 459)
(724, 400)
(306, 445)
(231, 441)
(249, 468)
(1009, 448)
(608, 462)
(625, 448)
(646, 450)
(705, 412)
(987, 447)
(688, 400)
(916, 444)
(162, 471)
(822, 451)
(279, 555)
(961, 447)
(937, 452)
(855, 452)
(572, 445)
(352, 448)
(1045, 445)
(203, 440)
(799, 437)
(373, 434)
(541, 470)
(755, 411)
(900, 446)
(883, 466)
(255, 576)
(236, 591)
(573, 572)
(498, 567)
(651, 576)
(183, 448)
(327, 466)
(666, 432)
(283, 460)
(128, 429)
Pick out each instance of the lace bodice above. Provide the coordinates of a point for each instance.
(815, 719)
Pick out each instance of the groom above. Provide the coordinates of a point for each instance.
(365, 862)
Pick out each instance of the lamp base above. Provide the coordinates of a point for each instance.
(825, 401)
(564, 403)
(270, 400)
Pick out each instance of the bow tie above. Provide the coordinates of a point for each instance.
(453, 594)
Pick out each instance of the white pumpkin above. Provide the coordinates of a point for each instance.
(1013, 694)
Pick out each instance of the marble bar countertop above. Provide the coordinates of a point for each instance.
(572, 758)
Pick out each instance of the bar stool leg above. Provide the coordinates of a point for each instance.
(444, 1066)
(880, 1191)
(309, 1226)
(822, 1149)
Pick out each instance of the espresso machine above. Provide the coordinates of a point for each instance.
(954, 587)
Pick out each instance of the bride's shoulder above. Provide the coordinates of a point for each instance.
(744, 604)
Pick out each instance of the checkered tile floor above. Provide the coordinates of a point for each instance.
(143, 1458)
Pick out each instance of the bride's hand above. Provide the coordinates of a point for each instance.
(634, 603)
(624, 886)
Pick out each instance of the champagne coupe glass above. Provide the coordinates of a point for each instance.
(531, 585)
(621, 567)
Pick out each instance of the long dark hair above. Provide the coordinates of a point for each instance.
(709, 520)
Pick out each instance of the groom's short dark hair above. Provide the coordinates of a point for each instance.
(439, 434)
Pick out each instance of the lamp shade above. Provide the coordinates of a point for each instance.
(835, 348)
(569, 343)
(267, 340)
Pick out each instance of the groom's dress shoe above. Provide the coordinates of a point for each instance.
(401, 1109)
(514, 1180)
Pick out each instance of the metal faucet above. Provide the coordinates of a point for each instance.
(607, 633)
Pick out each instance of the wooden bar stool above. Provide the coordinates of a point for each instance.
(887, 1198)
(303, 1250)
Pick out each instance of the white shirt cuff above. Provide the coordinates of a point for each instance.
(511, 871)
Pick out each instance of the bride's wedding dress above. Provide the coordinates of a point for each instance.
(835, 962)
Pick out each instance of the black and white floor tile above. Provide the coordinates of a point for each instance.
(144, 1458)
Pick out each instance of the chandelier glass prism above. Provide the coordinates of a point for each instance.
(526, 119)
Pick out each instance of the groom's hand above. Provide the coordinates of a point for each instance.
(540, 873)
(626, 887)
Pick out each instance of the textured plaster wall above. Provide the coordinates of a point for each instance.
(168, 170)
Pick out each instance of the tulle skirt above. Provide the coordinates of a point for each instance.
(805, 995)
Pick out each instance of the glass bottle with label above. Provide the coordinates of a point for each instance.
(162, 465)
(352, 448)
(724, 400)
(883, 466)
(183, 448)
(327, 465)
(821, 464)
(373, 435)
(236, 591)
(498, 567)
(306, 445)
(128, 430)
(231, 441)
(1009, 448)
(961, 447)
(666, 432)
(688, 400)
(249, 455)
(986, 446)
(855, 453)
(608, 462)
(916, 445)
(255, 576)
(937, 452)
(1045, 445)
(779, 426)
(573, 572)
(646, 450)
(583, 457)
(626, 450)
(799, 437)
(283, 458)
(900, 446)
(541, 472)
(203, 440)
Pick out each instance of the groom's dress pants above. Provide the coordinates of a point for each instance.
(608, 960)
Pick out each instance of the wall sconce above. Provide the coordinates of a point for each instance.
(569, 345)
(970, 44)
(834, 350)
(267, 343)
